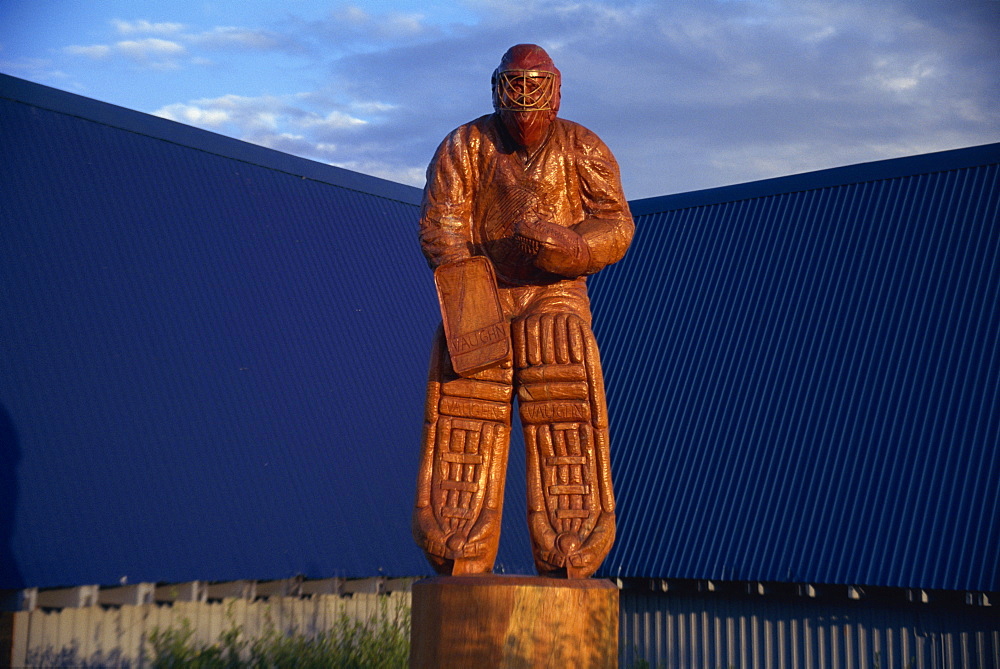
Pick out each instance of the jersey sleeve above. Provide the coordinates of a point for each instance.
(607, 227)
(446, 211)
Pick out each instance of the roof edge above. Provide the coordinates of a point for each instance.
(63, 102)
(891, 168)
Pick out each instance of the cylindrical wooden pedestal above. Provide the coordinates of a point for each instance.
(513, 621)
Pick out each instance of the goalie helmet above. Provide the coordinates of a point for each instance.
(526, 93)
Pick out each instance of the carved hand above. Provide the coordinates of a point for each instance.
(556, 249)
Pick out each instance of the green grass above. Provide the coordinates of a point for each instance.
(382, 641)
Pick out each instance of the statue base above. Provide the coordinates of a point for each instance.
(513, 621)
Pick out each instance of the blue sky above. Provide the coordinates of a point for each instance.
(688, 94)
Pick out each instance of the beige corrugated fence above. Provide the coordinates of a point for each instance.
(119, 636)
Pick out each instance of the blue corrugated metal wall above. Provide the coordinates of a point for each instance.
(804, 379)
(212, 356)
(212, 359)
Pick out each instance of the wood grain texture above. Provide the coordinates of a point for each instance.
(514, 621)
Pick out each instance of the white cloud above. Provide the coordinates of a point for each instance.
(291, 143)
(246, 114)
(193, 115)
(410, 175)
(150, 48)
(404, 24)
(234, 37)
(146, 27)
(38, 69)
(278, 122)
(334, 120)
(398, 24)
(896, 76)
(366, 107)
(258, 116)
(353, 25)
(95, 51)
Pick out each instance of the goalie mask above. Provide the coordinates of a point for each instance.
(526, 93)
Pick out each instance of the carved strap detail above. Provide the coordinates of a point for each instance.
(567, 477)
(464, 449)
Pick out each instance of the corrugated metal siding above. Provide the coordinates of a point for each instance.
(803, 382)
(209, 368)
(684, 631)
(804, 386)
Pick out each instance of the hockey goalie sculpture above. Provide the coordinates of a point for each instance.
(520, 206)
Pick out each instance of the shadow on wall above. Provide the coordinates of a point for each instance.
(10, 455)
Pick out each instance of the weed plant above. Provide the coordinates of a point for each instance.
(382, 641)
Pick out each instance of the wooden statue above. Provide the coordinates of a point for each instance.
(520, 206)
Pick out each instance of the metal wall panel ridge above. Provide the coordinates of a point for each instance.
(718, 632)
(804, 385)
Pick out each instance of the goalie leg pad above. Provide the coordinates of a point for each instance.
(463, 466)
(564, 417)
